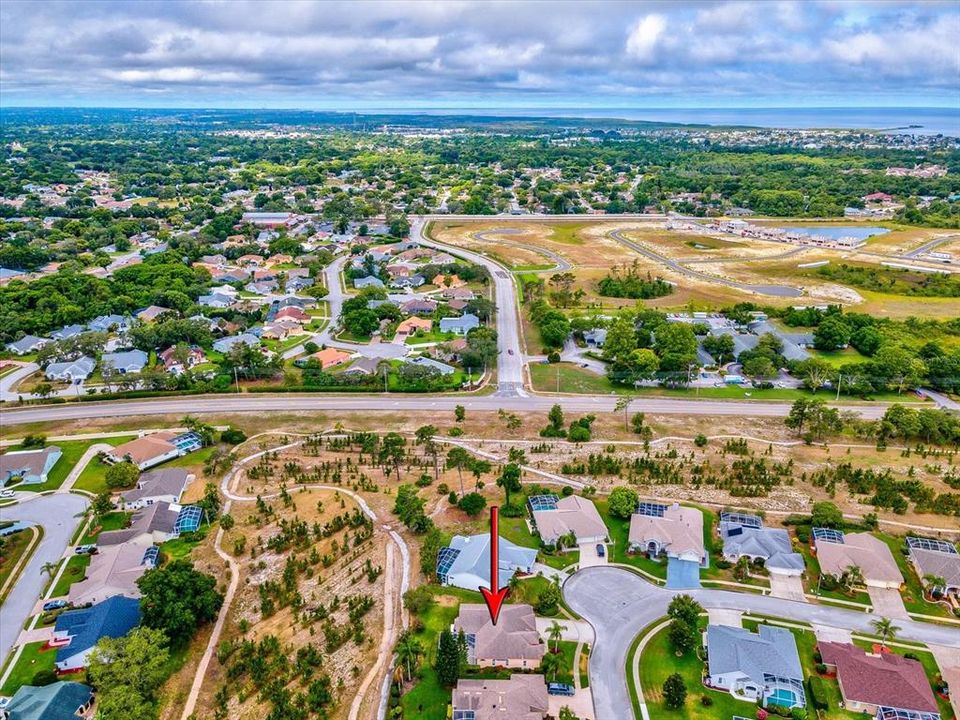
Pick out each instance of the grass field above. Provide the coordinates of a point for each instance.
(111, 521)
(75, 571)
(13, 549)
(72, 452)
(31, 661)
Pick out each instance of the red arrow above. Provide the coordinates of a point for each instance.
(495, 595)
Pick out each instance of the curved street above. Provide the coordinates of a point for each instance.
(58, 515)
(619, 604)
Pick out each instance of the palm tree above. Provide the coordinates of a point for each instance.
(851, 577)
(885, 629)
(550, 664)
(933, 582)
(408, 651)
(514, 584)
(555, 633)
(49, 568)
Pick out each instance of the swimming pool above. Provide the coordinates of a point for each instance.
(782, 696)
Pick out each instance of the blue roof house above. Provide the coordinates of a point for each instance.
(459, 325)
(78, 631)
(57, 701)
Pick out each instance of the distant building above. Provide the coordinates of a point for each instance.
(153, 449)
(151, 313)
(368, 281)
(72, 371)
(225, 345)
(440, 367)
(459, 325)
(129, 361)
(269, 219)
(522, 697)
(109, 323)
(27, 344)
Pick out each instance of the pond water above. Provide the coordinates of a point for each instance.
(839, 231)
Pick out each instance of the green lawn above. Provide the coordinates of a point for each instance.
(434, 336)
(31, 661)
(515, 530)
(111, 521)
(619, 534)
(93, 479)
(13, 549)
(838, 357)
(75, 572)
(659, 662)
(181, 547)
(567, 650)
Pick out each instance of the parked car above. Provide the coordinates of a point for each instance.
(86, 550)
(561, 689)
(54, 605)
(601, 550)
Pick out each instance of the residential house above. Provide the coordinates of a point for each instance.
(151, 313)
(465, 563)
(61, 700)
(512, 643)
(675, 532)
(596, 337)
(113, 571)
(296, 284)
(411, 325)
(458, 293)
(363, 366)
(130, 361)
(328, 358)
(452, 350)
(71, 371)
(862, 550)
(426, 362)
(419, 306)
(554, 518)
(292, 313)
(281, 329)
(153, 524)
(267, 287)
(280, 259)
(448, 281)
(763, 666)
(231, 275)
(459, 325)
(30, 467)
(27, 344)
(157, 486)
(269, 219)
(880, 684)
(458, 305)
(932, 558)
(150, 450)
(745, 536)
(413, 281)
(76, 632)
(522, 697)
(109, 323)
(225, 345)
(68, 331)
(250, 261)
(167, 358)
(214, 260)
(215, 300)
(368, 281)
(264, 275)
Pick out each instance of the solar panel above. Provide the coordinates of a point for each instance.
(445, 559)
(543, 502)
(189, 519)
(942, 546)
(827, 535)
(747, 521)
(150, 556)
(734, 531)
(651, 509)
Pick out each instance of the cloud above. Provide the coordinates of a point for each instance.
(470, 51)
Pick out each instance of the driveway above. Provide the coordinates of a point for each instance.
(581, 704)
(57, 514)
(789, 587)
(618, 604)
(589, 557)
(887, 603)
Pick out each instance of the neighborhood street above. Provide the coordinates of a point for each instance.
(58, 515)
(619, 604)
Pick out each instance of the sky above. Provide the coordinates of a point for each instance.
(424, 54)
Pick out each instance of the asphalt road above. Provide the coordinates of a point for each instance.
(619, 604)
(392, 403)
(57, 514)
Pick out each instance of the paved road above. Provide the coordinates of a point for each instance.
(561, 264)
(509, 360)
(773, 290)
(927, 247)
(8, 382)
(619, 604)
(281, 402)
(57, 514)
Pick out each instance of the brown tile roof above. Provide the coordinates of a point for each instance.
(514, 636)
(145, 448)
(680, 530)
(884, 679)
(522, 697)
(573, 514)
(867, 552)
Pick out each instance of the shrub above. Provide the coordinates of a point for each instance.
(553, 357)
(233, 436)
(706, 700)
(423, 481)
(455, 432)
(452, 498)
(512, 510)
(472, 504)
(818, 693)
(443, 489)
(567, 491)
(44, 677)
(34, 441)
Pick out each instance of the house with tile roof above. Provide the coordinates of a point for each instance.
(878, 683)
(570, 515)
(157, 486)
(411, 325)
(678, 533)
(862, 550)
(146, 451)
(771, 545)
(30, 467)
(465, 562)
(61, 700)
(938, 559)
(153, 524)
(128, 361)
(114, 570)
(328, 357)
(76, 632)
(512, 643)
(71, 371)
(522, 697)
(27, 344)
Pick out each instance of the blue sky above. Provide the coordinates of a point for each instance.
(456, 54)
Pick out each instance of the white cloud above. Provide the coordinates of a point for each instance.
(643, 39)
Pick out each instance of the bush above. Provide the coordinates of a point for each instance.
(423, 481)
(567, 491)
(706, 700)
(418, 600)
(443, 489)
(455, 432)
(818, 694)
(803, 533)
(233, 436)
(122, 475)
(700, 441)
(512, 510)
(553, 357)
(34, 441)
(452, 498)
(472, 504)
(44, 677)
(722, 564)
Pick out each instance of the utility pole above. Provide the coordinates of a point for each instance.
(385, 389)
(236, 380)
(839, 380)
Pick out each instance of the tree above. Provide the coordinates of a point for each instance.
(459, 413)
(458, 458)
(49, 568)
(448, 659)
(674, 691)
(555, 417)
(623, 403)
(831, 334)
(885, 629)
(760, 368)
(550, 664)
(409, 508)
(472, 504)
(827, 515)
(682, 637)
(621, 339)
(622, 502)
(567, 714)
(851, 578)
(685, 609)
(555, 635)
(101, 505)
(720, 347)
(509, 480)
(122, 475)
(409, 650)
(549, 599)
(178, 599)
(127, 672)
(392, 451)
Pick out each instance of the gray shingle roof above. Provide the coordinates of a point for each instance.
(771, 650)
